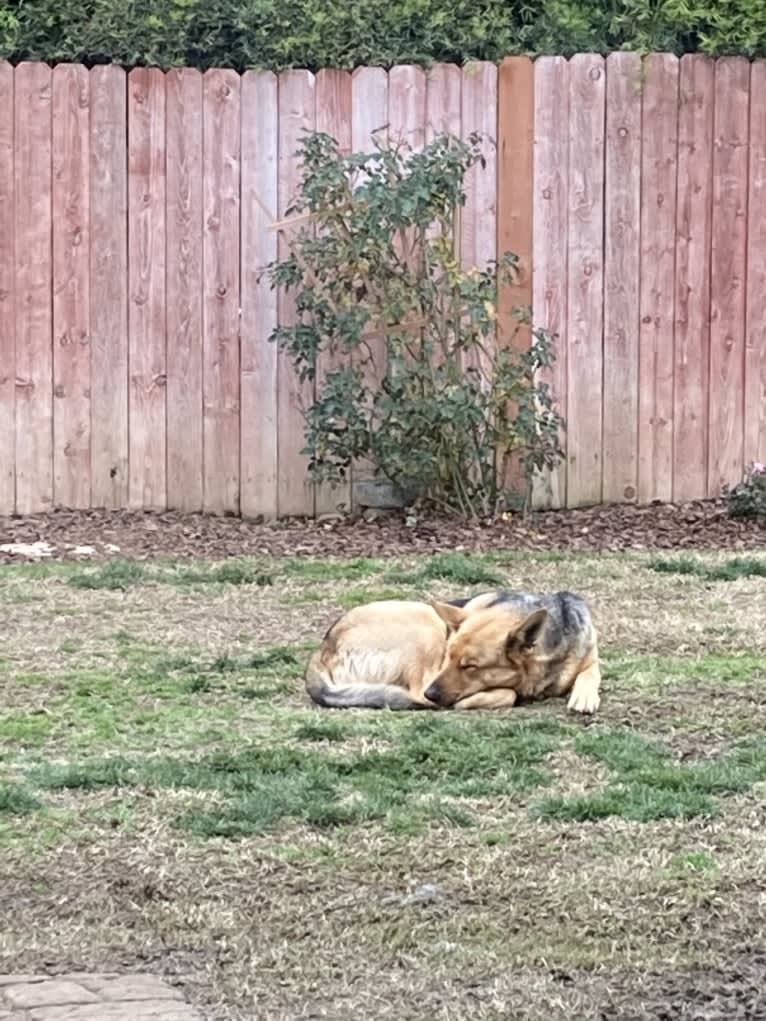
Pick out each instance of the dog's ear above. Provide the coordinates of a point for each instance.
(527, 634)
(453, 616)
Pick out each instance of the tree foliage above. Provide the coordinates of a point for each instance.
(348, 33)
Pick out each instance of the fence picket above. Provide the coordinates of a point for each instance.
(296, 116)
(33, 282)
(622, 215)
(755, 327)
(549, 245)
(183, 99)
(221, 301)
(147, 364)
(7, 296)
(109, 286)
(692, 305)
(258, 377)
(585, 275)
(727, 273)
(659, 162)
(71, 283)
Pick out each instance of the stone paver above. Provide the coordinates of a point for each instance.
(98, 996)
(47, 994)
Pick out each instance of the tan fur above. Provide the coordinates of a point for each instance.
(383, 654)
(401, 654)
(497, 651)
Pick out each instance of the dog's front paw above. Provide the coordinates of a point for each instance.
(584, 702)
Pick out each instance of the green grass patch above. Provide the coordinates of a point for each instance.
(358, 597)
(16, 800)
(194, 673)
(326, 569)
(633, 802)
(230, 572)
(25, 729)
(692, 863)
(114, 575)
(728, 570)
(119, 575)
(427, 768)
(322, 730)
(622, 751)
(648, 785)
(278, 657)
(661, 671)
(459, 568)
(137, 695)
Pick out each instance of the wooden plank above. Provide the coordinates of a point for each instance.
(443, 88)
(622, 212)
(515, 154)
(34, 357)
(296, 116)
(478, 219)
(369, 124)
(549, 254)
(183, 132)
(221, 407)
(406, 106)
(728, 273)
(369, 107)
(71, 286)
(333, 117)
(659, 160)
(7, 312)
(692, 305)
(258, 376)
(147, 361)
(585, 274)
(515, 151)
(444, 83)
(755, 330)
(479, 114)
(108, 286)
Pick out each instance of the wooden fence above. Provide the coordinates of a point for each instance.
(136, 211)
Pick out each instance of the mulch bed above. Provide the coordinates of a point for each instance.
(92, 534)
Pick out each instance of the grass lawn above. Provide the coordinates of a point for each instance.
(170, 800)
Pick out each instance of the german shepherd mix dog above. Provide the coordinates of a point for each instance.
(486, 652)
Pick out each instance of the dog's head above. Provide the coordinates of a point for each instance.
(486, 648)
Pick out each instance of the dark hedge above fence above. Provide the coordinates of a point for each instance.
(347, 33)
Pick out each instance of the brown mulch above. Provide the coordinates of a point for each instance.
(699, 525)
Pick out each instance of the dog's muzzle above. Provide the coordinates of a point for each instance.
(434, 693)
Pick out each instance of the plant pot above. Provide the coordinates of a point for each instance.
(382, 494)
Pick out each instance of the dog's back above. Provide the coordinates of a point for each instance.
(569, 618)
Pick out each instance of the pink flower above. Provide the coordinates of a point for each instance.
(758, 468)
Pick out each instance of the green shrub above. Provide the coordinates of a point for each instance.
(748, 498)
(348, 33)
(421, 390)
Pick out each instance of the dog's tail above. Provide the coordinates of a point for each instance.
(360, 681)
